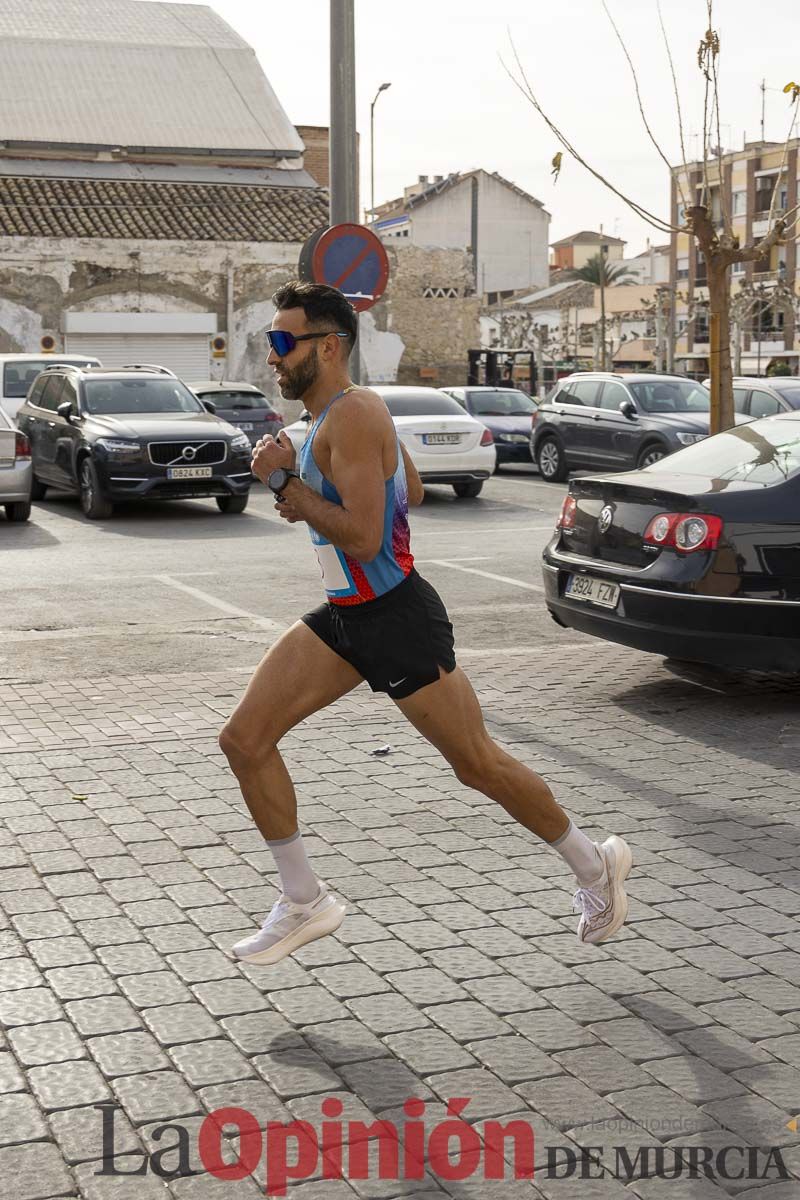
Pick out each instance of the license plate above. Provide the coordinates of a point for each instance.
(188, 472)
(441, 439)
(592, 590)
(245, 428)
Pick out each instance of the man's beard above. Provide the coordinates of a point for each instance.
(300, 379)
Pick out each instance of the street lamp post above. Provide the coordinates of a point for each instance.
(382, 88)
(603, 253)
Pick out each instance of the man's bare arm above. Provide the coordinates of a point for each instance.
(416, 491)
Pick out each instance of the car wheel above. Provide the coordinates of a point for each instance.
(94, 504)
(19, 510)
(551, 461)
(468, 491)
(232, 504)
(38, 489)
(651, 454)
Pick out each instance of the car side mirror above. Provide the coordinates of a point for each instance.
(209, 406)
(66, 410)
(305, 415)
(628, 409)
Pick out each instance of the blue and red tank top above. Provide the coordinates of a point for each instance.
(347, 580)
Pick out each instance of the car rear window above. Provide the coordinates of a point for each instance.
(762, 453)
(789, 392)
(18, 376)
(118, 397)
(671, 396)
(232, 399)
(418, 404)
(505, 402)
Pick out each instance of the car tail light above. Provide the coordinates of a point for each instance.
(569, 509)
(486, 438)
(684, 532)
(22, 447)
(274, 416)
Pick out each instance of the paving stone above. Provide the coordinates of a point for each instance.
(104, 1014)
(644, 955)
(584, 1003)
(80, 983)
(48, 1042)
(129, 958)
(170, 939)
(754, 1119)
(460, 963)
(514, 1059)
(67, 1085)
(109, 931)
(662, 1112)
(60, 952)
(28, 1006)
(37, 1171)
(496, 943)
(155, 1096)
(346, 980)
(777, 1082)
(301, 1072)
(204, 1063)
(488, 1097)
(724, 964)
(153, 988)
(750, 1019)
(21, 1120)
(426, 985)
(228, 997)
(251, 1094)
(425, 935)
(426, 1051)
(550, 1030)
(503, 995)
(566, 1102)
(635, 1039)
(307, 1005)
(383, 1083)
(19, 973)
(602, 1068)
(261, 1032)
(466, 1020)
(775, 994)
(669, 1013)
(11, 1078)
(174, 1023)
(786, 1048)
(119, 1187)
(693, 1078)
(784, 963)
(387, 1013)
(79, 1133)
(206, 1187)
(126, 1053)
(724, 1048)
(344, 1041)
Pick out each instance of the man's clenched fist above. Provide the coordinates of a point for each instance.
(269, 454)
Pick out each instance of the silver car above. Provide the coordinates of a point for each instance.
(16, 473)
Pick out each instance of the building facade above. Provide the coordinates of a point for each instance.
(573, 252)
(502, 227)
(743, 185)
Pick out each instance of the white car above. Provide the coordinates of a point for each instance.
(445, 443)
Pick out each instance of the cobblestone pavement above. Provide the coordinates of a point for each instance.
(129, 865)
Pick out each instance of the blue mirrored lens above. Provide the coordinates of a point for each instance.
(282, 343)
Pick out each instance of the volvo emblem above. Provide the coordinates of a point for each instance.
(606, 517)
(189, 453)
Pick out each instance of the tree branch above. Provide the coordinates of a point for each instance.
(527, 91)
(752, 253)
(677, 105)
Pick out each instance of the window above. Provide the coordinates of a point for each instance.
(51, 396)
(422, 404)
(740, 399)
(18, 376)
(37, 389)
(666, 396)
(69, 395)
(613, 395)
(109, 397)
(586, 392)
(764, 405)
(683, 267)
(233, 399)
(738, 268)
(790, 392)
(740, 455)
(505, 402)
(739, 203)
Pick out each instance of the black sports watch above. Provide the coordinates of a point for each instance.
(278, 479)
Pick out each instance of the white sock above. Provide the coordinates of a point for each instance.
(298, 881)
(581, 853)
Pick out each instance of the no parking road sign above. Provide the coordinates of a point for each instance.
(349, 257)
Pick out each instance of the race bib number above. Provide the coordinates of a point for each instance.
(334, 577)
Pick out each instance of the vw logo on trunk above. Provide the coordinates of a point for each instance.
(606, 517)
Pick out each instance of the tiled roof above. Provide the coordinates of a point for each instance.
(588, 235)
(104, 208)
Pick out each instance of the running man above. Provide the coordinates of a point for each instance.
(382, 622)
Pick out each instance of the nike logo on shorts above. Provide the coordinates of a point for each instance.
(397, 682)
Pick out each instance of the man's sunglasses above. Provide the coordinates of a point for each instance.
(283, 343)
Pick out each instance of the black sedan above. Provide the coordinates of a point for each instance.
(507, 412)
(696, 557)
(136, 433)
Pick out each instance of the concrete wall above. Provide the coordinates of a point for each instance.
(42, 278)
(512, 232)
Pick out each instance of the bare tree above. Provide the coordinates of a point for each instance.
(712, 232)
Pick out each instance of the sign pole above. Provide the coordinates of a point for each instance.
(343, 149)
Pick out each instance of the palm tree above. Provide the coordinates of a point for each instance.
(599, 271)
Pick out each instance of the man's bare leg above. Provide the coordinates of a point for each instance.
(448, 715)
(298, 676)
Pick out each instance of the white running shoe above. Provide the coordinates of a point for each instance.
(604, 905)
(289, 926)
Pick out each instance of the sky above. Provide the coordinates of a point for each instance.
(452, 106)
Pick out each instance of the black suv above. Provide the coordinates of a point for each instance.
(606, 422)
(136, 433)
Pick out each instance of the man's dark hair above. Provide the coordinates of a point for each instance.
(323, 306)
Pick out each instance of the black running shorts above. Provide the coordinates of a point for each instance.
(397, 642)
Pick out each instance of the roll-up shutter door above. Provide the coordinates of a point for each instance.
(187, 354)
